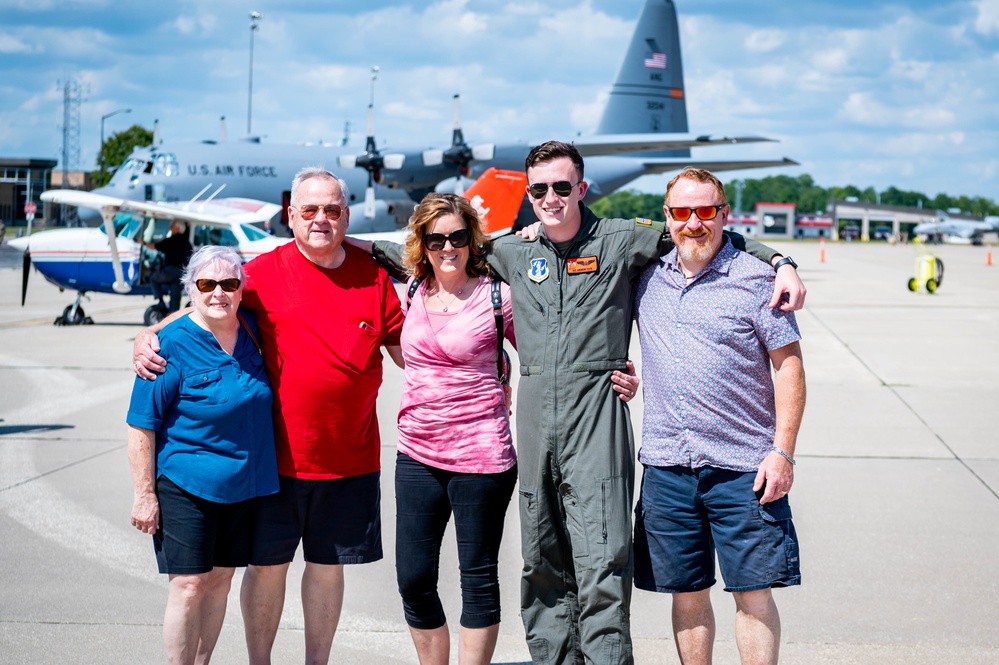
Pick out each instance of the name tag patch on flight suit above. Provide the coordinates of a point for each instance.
(539, 270)
(581, 264)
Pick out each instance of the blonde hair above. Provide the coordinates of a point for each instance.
(431, 208)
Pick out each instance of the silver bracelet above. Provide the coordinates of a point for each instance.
(784, 455)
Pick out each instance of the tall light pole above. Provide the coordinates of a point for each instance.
(101, 154)
(254, 17)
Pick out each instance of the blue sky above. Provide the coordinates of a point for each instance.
(864, 93)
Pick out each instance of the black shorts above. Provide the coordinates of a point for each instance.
(196, 534)
(337, 521)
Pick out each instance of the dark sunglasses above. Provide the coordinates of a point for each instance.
(561, 188)
(309, 213)
(208, 285)
(704, 213)
(458, 239)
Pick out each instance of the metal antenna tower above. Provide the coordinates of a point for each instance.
(71, 97)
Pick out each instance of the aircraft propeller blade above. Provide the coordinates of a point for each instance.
(433, 157)
(347, 161)
(394, 161)
(369, 202)
(25, 271)
(484, 152)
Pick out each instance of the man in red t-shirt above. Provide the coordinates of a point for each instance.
(323, 310)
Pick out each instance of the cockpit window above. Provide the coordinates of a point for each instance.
(126, 225)
(165, 164)
(213, 235)
(252, 232)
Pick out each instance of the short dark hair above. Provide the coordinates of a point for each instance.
(551, 150)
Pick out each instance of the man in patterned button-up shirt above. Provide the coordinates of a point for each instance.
(719, 433)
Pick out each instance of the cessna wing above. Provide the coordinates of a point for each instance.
(221, 212)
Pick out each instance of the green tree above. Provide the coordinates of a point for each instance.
(626, 204)
(117, 148)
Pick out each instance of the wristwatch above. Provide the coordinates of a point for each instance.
(787, 260)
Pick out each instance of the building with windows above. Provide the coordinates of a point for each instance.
(18, 177)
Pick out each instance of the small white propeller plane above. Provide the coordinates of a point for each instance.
(113, 258)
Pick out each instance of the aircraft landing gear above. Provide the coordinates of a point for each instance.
(155, 313)
(73, 315)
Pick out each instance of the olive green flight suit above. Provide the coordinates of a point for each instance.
(575, 446)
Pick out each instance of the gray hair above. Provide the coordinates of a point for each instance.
(210, 255)
(317, 172)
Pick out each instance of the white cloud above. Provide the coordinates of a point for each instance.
(987, 21)
(11, 44)
(764, 41)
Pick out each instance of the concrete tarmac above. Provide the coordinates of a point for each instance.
(896, 498)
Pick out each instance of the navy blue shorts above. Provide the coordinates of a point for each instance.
(196, 534)
(684, 516)
(337, 521)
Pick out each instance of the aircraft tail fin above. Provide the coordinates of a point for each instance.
(496, 195)
(648, 95)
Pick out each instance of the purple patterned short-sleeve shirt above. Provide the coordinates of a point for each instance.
(709, 394)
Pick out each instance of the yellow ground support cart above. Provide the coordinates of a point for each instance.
(929, 273)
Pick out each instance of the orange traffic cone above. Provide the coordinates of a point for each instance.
(988, 256)
(822, 250)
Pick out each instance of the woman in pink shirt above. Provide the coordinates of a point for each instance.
(456, 453)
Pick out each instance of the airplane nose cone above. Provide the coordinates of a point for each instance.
(20, 244)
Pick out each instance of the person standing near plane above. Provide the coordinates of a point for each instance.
(201, 448)
(572, 297)
(176, 249)
(716, 480)
(324, 310)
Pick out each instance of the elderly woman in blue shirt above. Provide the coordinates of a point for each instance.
(201, 448)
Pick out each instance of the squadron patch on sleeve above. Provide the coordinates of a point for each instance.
(651, 223)
(581, 265)
(539, 270)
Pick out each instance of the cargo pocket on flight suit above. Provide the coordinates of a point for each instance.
(782, 538)
(204, 387)
(615, 517)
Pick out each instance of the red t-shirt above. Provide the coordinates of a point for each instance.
(321, 330)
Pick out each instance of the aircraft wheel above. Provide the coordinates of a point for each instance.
(931, 285)
(154, 314)
(79, 318)
(913, 284)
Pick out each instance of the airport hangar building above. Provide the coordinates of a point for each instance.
(845, 220)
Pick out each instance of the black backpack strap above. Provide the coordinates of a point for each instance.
(502, 358)
(415, 284)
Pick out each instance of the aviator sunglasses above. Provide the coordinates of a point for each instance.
(458, 239)
(208, 285)
(704, 213)
(309, 212)
(561, 188)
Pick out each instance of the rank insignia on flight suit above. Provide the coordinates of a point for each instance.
(539, 270)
